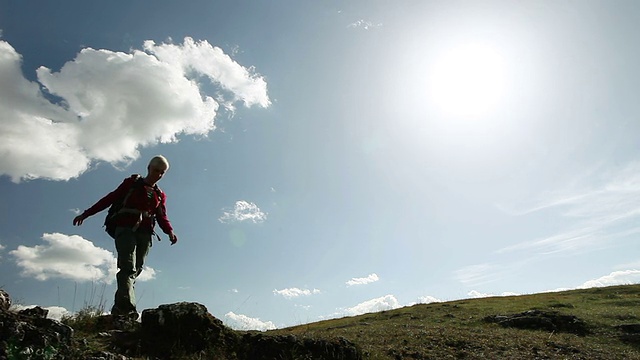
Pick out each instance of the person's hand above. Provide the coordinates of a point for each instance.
(173, 238)
(77, 221)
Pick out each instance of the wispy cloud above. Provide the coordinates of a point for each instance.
(479, 274)
(363, 24)
(597, 214)
(243, 322)
(110, 104)
(69, 257)
(291, 293)
(363, 281)
(603, 214)
(243, 211)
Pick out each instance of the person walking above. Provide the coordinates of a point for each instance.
(143, 203)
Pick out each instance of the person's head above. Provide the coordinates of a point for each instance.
(158, 165)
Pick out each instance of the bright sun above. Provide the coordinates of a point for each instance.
(467, 80)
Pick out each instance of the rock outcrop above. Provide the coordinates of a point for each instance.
(541, 320)
(28, 334)
(5, 301)
(188, 328)
(185, 327)
(182, 330)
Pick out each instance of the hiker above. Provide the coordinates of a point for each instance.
(142, 204)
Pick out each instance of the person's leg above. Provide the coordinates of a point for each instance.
(126, 243)
(142, 250)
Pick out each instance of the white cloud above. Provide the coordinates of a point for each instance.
(212, 62)
(243, 211)
(425, 300)
(364, 24)
(599, 213)
(2, 247)
(363, 281)
(625, 277)
(476, 294)
(388, 302)
(243, 322)
(428, 300)
(54, 312)
(69, 257)
(478, 274)
(110, 104)
(622, 277)
(148, 273)
(295, 292)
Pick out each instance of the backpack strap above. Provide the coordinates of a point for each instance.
(137, 178)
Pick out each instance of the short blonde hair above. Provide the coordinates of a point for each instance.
(159, 160)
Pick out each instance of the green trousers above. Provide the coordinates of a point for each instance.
(132, 247)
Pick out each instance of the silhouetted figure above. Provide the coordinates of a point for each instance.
(143, 203)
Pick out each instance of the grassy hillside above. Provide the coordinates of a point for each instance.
(459, 330)
(599, 323)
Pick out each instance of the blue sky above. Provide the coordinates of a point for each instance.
(328, 158)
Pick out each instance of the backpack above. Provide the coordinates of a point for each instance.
(116, 208)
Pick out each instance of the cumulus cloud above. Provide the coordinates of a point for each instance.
(1, 249)
(428, 300)
(105, 105)
(622, 277)
(243, 211)
(363, 281)
(388, 302)
(424, 300)
(295, 292)
(625, 277)
(212, 62)
(243, 322)
(69, 257)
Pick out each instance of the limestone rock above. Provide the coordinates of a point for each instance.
(30, 332)
(186, 326)
(5, 301)
(541, 320)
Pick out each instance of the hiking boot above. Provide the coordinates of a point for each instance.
(125, 321)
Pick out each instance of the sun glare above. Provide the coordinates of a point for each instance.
(467, 80)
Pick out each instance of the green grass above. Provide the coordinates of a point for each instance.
(457, 329)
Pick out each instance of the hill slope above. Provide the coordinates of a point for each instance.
(598, 323)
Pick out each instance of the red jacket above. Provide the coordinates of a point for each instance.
(144, 198)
